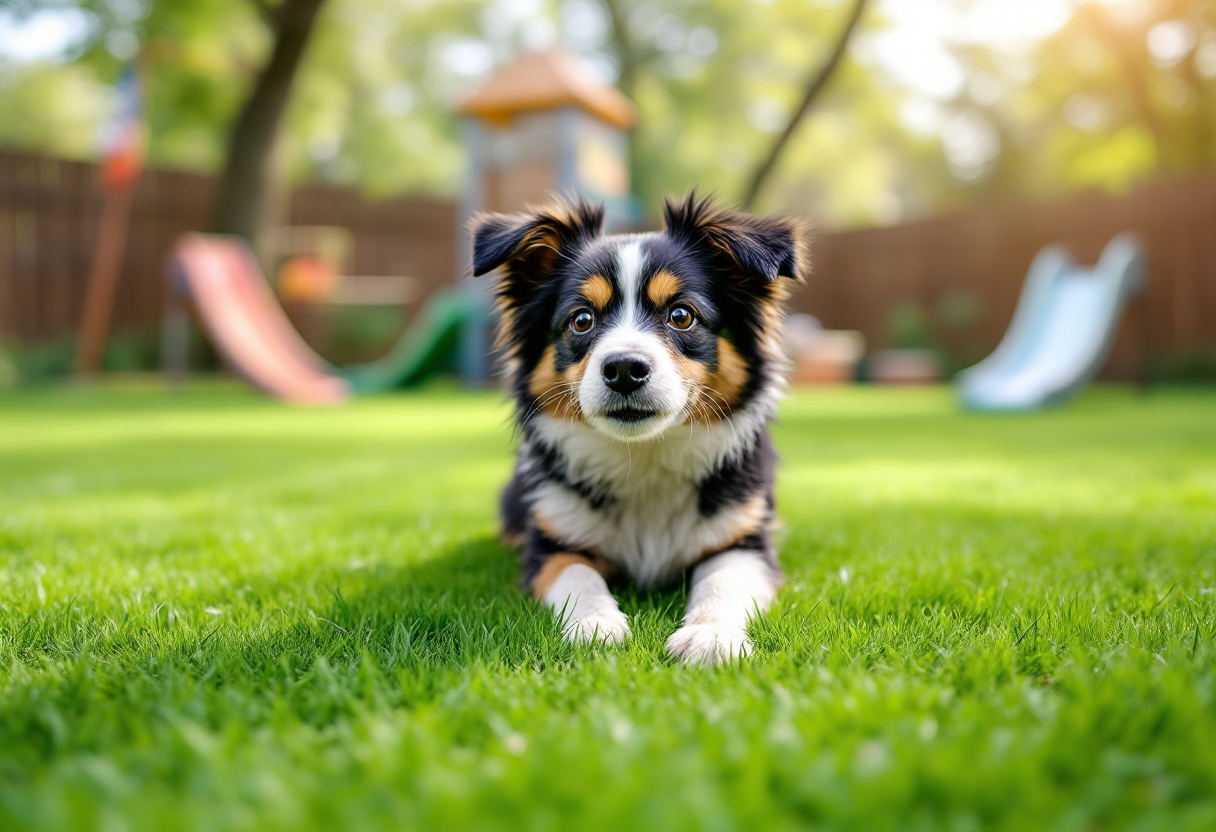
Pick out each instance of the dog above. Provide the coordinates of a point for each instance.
(644, 370)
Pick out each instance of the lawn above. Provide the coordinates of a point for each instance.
(220, 613)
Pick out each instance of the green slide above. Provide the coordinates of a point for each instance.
(429, 346)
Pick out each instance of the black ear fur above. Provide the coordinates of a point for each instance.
(498, 238)
(763, 247)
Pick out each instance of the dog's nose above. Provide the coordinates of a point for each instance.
(625, 372)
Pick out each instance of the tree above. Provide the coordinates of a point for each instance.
(814, 88)
(1114, 95)
(630, 62)
(241, 202)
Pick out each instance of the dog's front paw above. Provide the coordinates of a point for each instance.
(709, 644)
(609, 626)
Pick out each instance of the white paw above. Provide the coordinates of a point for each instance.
(709, 644)
(609, 626)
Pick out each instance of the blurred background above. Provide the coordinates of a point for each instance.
(936, 147)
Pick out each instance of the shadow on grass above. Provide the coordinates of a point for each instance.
(462, 607)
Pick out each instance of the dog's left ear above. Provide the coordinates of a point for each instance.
(760, 247)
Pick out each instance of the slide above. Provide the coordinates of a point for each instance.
(247, 326)
(429, 346)
(1062, 330)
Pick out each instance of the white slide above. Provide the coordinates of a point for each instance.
(1062, 330)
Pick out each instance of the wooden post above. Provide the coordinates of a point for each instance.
(103, 278)
(8, 292)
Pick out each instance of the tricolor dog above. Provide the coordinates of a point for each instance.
(644, 369)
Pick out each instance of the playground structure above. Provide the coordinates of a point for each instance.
(1062, 330)
(241, 317)
(541, 125)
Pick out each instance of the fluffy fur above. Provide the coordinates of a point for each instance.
(645, 369)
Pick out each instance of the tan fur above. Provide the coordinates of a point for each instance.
(691, 372)
(558, 392)
(506, 326)
(546, 526)
(598, 290)
(555, 565)
(752, 519)
(719, 391)
(662, 288)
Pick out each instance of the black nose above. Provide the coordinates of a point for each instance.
(625, 372)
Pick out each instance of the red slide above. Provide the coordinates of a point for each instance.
(245, 323)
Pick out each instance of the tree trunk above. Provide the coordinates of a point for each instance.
(240, 206)
(627, 58)
(817, 83)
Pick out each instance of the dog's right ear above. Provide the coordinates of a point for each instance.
(531, 242)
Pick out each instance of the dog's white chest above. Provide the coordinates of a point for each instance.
(648, 522)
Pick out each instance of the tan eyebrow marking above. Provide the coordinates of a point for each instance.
(598, 290)
(662, 287)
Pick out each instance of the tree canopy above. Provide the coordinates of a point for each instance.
(1106, 93)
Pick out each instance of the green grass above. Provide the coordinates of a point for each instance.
(220, 613)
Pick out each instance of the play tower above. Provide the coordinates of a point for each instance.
(542, 124)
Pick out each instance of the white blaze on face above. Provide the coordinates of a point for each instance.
(665, 392)
(629, 261)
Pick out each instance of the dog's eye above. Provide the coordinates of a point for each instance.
(581, 322)
(681, 317)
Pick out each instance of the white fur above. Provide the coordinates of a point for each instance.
(629, 262)
(666, 392)
(588, 610)
(651, 527)
(727, 591)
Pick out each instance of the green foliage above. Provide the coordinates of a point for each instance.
(1195, 367)
(217, 612)
(1091, 104)
(1120, 92)
(36, 363)
(8, 369)
(909, 327)
(127, 351)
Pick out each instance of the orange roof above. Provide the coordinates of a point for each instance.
(544, 79)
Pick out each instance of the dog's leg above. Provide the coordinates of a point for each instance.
(572, 586)
(727, 590)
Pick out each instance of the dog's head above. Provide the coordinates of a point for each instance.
(636, 333)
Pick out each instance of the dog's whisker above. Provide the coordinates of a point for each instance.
(561, 388)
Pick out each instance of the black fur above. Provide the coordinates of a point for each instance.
(498, 238)
(763, 247)
(737, 480)
(548, 465)
(538, 547)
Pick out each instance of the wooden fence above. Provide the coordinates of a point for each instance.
(975, 260)
(48, 225)
(979, 258)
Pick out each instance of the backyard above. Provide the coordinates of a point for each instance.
(219, 612)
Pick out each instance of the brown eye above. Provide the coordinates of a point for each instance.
(680, 317)
(581, 322)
